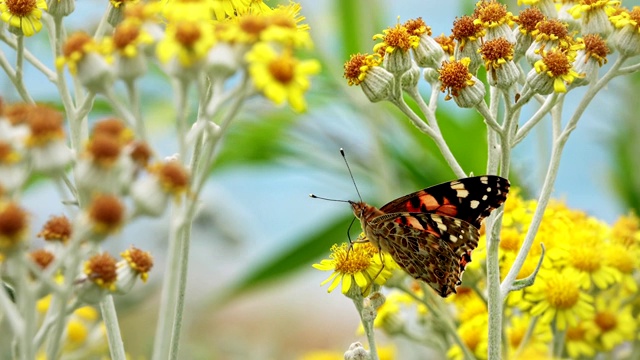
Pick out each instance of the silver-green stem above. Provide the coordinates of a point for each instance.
(171, 310)
(367, 324)
(110, 319)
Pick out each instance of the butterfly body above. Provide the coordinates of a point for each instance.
(430, 233)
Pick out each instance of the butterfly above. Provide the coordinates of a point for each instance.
(430, 233)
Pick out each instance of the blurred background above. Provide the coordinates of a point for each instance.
(252, 293)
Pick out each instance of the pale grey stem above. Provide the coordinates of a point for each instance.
(110, 319)
(539, 115)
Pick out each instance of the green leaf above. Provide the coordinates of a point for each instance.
(299, 256)
(256, 142)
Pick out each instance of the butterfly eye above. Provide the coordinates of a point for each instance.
(439, 273)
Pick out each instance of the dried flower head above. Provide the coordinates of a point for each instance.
(57, 228)
(13, 225)
(101, 270)
(41, 257)
(106, 214)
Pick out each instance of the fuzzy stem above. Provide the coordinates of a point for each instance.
(110, 319)
(366, 324)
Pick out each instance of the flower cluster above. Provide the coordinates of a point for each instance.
(585, 291)
(106, 171)
(494, 37)
(200, 39)
(558, 282)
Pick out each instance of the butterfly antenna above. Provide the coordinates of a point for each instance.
(324, 198)
(350, 173)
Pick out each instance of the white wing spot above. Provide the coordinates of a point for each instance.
(485, 197)
(462, 193)
(474, 204)
(457, 185)
(489, 189)
(484, 180)
(441, 226)
(453, 238)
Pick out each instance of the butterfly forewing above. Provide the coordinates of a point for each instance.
(470, 199)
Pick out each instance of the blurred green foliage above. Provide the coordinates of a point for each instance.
(624, 148)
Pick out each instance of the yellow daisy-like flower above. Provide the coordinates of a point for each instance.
(23, 14)
(626, 230)
(281, 76)
(557, 65)
(359, 263)
(286, 27)
(516, 331)
(474, 334)
(191, 10)
(393, 38)
(625, 261)
(357, 68)
(556, 296)
(579, 342)
(469, 305)
(187, 40)
(612, 324)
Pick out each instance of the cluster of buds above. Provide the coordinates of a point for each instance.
(564, 48)
(114, 169)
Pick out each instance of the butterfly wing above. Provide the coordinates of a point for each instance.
(470, 199)
(429, 247)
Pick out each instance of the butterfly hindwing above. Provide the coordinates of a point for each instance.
(469, 199)
(430, 247)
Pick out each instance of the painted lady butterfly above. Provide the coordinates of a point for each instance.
(431, 233)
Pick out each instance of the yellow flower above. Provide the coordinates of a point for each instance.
(473, 334)
(578, 341)
(281, 76)
(556, 296)
(612, 324)
(358, 264)
(77, 333)
(285, 27)
(625, 261)
(556, 64)
(397, 37)
(23, 14)
(187, 40)
(470, 306)
(516, 331)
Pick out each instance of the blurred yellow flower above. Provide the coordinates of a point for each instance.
(281, 76)
(612, 324)
(579, 342)
(473, 334)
